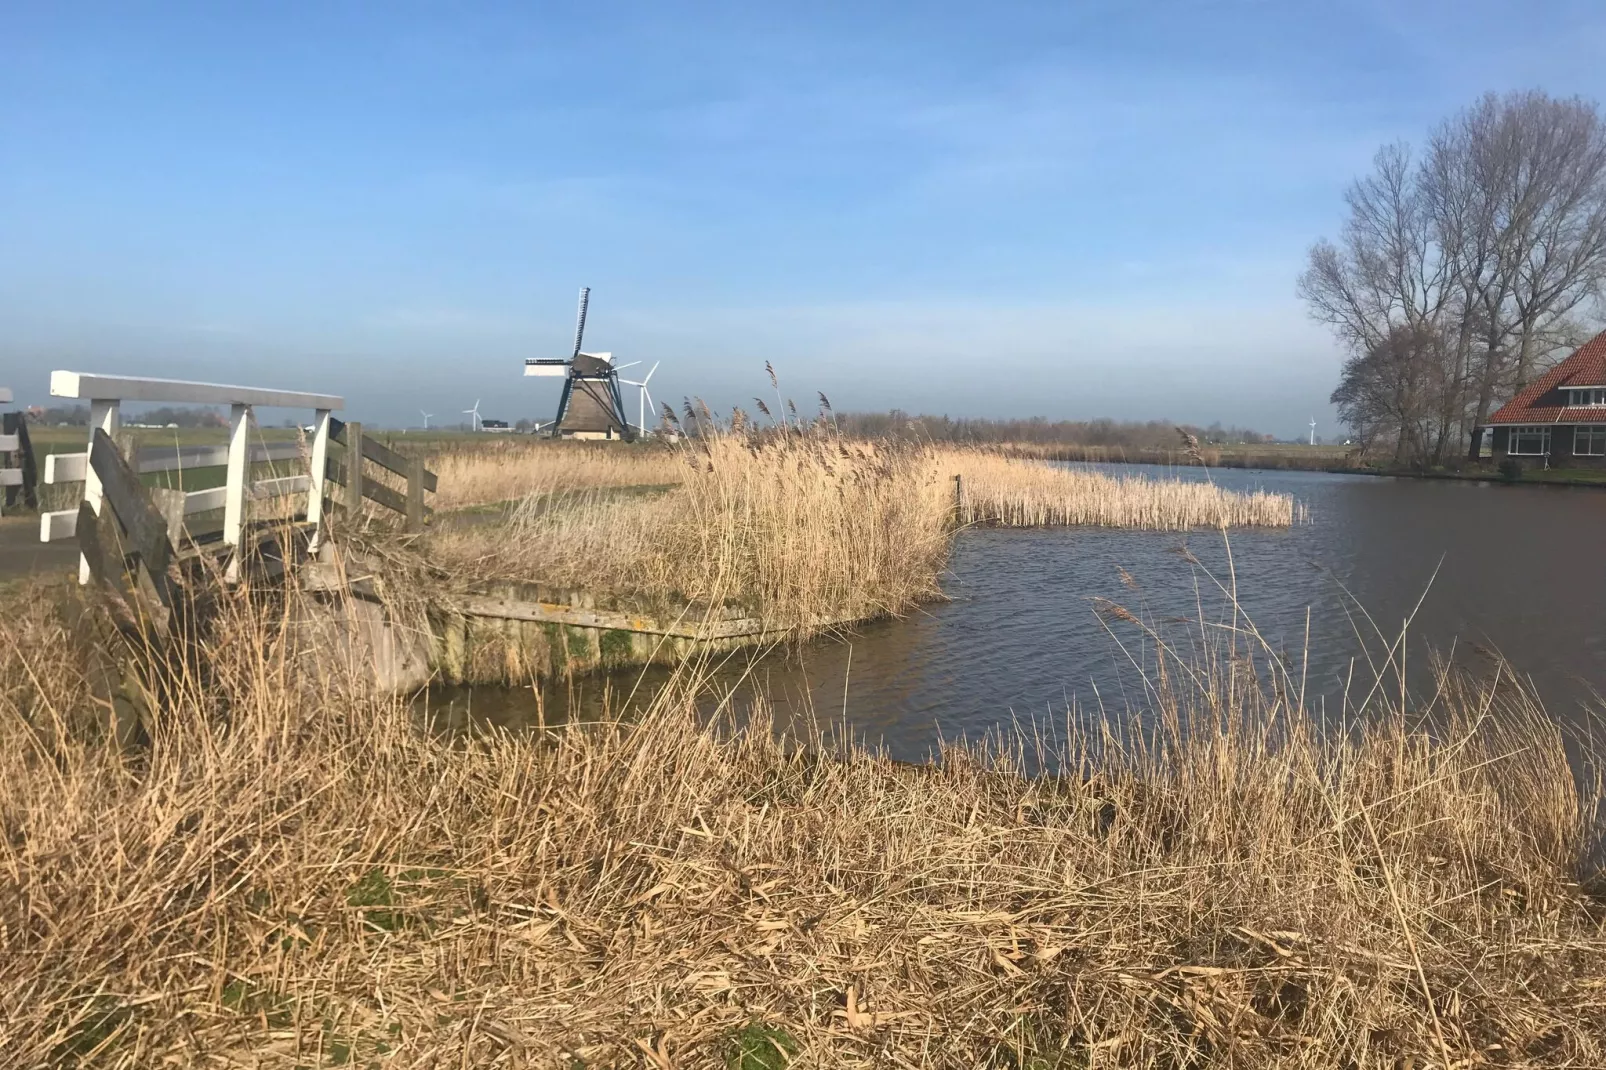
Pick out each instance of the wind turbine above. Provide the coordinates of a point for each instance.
(1313, 430)
(645, 398)
(426, 416)
(473, 415)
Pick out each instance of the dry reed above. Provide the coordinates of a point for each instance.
(508, 469)
(808, 529)
(805, 530)
(1019, 493)
(284, 880)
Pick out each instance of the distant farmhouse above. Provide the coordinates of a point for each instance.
(1559, 421)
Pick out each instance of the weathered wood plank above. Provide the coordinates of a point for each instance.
(15, 426)
(58, 525)
(169, 458)
(204, 501)
(380, 454)
(335, 472)
(66, 467)
(556, 613)
(144, 525)
(88, 385)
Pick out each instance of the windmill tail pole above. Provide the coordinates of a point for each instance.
(580, 322)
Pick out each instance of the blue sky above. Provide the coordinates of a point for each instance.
(1066, 209)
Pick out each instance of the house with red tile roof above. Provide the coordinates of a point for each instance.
(1558, 420)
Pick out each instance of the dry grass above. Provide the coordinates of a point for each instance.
(812, 529)
(508, 469)
(1021, 493)
(806, 530)
(285, 878)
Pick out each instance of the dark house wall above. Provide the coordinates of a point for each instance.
(1561, 450)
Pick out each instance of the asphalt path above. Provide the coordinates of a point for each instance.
(23, 555)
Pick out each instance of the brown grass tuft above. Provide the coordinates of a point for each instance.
(280, 880)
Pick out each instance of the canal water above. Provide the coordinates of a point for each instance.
(1518, 570)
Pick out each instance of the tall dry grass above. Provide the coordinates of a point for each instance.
(287, 878)
(506, 469)
(805, 530)
(1021, 493)
(810, 529)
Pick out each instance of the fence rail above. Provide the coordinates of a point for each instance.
(17, 473)
(319, 468)
(106, 394)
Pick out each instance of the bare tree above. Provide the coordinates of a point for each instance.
(1495, 241)
(1399, 388)
(1388, 268)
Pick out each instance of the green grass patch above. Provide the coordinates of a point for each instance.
(760, 1047)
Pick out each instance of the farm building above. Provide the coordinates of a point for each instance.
(1559, 420)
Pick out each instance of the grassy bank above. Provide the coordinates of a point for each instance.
(1272, 455)
(292, 876)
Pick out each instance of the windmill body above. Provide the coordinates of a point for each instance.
(590, 406)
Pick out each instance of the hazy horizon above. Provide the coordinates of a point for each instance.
(1023, 210)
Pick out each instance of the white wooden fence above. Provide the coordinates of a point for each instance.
(9, 477)
(106, 393)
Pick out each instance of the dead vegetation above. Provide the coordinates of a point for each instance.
(1009, 492)
(808, 531)
(508, 468)
(808, 528)
(284, 878)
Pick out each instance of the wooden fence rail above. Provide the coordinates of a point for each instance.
(319, 468)
(17, 473)
(106, 394)
(350, 475)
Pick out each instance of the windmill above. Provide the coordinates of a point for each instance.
(1313, 430)
(473, 415)
(645, 399)
(426, 416)
(590, 406)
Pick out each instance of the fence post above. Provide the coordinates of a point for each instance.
(354, 469)
(320, 464)
(959, 499)
(16, 424)
(415, 494)
(104, 415)
(239, 473)
(239, 477)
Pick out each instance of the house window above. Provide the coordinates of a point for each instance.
(1589, 440)
(1528, 441)
(1593, 396)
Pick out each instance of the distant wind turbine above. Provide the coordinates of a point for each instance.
(426, 416)
(473, 415)
(645, 401)
(1313, 430)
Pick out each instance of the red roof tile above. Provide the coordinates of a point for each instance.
(1542, 401)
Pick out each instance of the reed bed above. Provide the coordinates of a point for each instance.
(508, 469)
(807, 531)
(810, 529)
(291, 876)
(1018, 493)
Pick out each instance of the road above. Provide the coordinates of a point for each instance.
(22, 554)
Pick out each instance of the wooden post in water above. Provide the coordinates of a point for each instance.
(959, 499)
(354, 469)
(415, 495)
